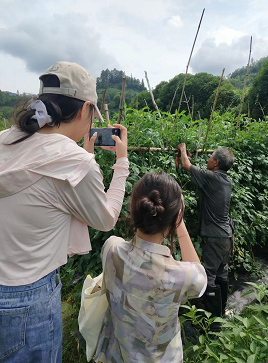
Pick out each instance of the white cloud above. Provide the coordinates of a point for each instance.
(132, 35)
(225, 35)
(175, 21)
(212, 58)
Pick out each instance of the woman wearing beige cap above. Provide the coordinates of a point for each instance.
(50, 191)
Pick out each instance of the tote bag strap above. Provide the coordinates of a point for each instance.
(112, 241)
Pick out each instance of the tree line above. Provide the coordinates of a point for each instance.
(199, 94)
(200, 91)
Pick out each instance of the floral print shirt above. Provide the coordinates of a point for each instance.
(144, 288)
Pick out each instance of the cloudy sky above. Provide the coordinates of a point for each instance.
(130, 35)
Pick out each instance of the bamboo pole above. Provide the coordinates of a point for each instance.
(5, 123)
(200, 130)
(146, 103)
(151, 93)
(121, 106)
(188, 107)
(107, 114)
(155, 105)
(199, 115)
(103, 99)
(176, 90)
(185, 77)
(192, 107)
(244, 89)
(152, 149)
(199, 136)
(262, 110)
(213, 108)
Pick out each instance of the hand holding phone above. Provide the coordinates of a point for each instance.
(104, 135)
(120, 143)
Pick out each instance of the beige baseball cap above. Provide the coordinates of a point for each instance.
(75, 82)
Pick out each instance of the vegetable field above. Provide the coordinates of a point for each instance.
(249, 204)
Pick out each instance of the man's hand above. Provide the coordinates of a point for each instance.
(182, 147)
(185, 162)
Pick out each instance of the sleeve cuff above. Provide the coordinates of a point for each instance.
(121, 163)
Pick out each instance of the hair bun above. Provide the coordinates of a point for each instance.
(152, 204)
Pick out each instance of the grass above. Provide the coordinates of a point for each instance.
(72, 350)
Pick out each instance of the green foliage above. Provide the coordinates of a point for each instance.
(7, 103)
(113, 81)
(243, 339)
(260, 291)
(249, 206)
(200, 91)
(114, 78)
(237, 78)
(258, 94)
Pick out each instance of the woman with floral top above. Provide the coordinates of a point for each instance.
(145, 284)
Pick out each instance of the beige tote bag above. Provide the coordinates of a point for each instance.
(94, 304)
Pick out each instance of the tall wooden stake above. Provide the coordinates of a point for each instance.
(152, 96)
(244, 89)
(262, 110)
(199, 136)
(107, 114)
(154, 103)
(213, 109)
(192, 107)
(176, 90)
(121, 106)
(185, 77)
(103, 99)
(188, 107)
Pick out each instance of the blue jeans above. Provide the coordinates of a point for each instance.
(30, 322)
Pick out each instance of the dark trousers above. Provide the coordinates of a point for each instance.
(215, 258)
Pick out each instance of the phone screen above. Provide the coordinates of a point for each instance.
(104, 135)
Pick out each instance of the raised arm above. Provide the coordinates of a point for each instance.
(185, 162)
(87, 201)
(188, 252)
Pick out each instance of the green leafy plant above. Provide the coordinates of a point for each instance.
(243, 339)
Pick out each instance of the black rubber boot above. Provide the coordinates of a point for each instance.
(224, 293)
(213, 304)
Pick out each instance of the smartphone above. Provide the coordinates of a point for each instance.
(104, 135)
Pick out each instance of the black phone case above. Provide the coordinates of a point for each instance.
(104, 136)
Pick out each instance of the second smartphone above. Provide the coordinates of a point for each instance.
(104, 135)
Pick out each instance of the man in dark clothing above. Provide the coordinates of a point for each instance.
(215, 225)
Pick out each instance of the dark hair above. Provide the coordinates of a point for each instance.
(225, 158)
(156, 201)
(60, 108)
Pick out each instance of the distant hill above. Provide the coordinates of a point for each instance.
(11, 93)
(237, 78)
(112, 79)
(200, 89)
